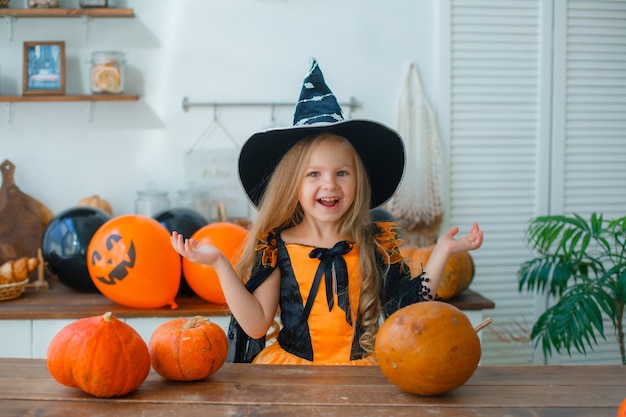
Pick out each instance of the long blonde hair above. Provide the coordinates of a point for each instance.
(279, 209)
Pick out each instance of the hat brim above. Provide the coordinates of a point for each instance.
(381, 149)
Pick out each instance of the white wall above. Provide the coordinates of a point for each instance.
(208, 50)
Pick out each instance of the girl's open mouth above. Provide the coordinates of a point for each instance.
(328, 201)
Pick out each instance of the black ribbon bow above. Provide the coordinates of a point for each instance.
(333, 267)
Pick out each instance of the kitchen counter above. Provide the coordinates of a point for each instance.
(32, 320)
(61, 301)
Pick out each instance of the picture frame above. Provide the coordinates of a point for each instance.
(44, 68)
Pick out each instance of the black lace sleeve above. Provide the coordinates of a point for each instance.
(241, 347)
(398, 287)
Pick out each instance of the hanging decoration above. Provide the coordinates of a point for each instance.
(417, 203)
(211, 166)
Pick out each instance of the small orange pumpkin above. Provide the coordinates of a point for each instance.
(428, 348)
(97, 202)
(188, 349)
(457, 275)
(101, 355)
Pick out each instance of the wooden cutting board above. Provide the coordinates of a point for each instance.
(21, 226)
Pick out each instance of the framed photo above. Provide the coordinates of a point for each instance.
(44, 68)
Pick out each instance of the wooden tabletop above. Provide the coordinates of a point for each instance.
(60, 301)
(27, 389)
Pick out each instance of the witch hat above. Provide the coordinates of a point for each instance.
(380, 148)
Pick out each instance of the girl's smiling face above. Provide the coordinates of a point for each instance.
(328, 188)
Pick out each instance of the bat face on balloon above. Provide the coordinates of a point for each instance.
(113, 262)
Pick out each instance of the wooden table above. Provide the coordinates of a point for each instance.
(27, 389)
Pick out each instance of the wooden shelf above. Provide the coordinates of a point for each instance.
(60, 12)
(85, 13)
(89, 99)
(60, 301)
(57, 98)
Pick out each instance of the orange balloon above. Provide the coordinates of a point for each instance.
(131, 261)
(202, 279)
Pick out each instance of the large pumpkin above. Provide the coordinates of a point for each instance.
(101, 355)
(457, 275)
(428, 348)
(188, 349)
(203, 280)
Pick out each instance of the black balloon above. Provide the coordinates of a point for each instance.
(186, 222)
(183, 220)
(64, 245)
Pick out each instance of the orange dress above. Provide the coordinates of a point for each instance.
(331, 334)
(319, 298)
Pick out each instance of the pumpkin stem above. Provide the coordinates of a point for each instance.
(108, 316)
(483, 324)
(192, 322)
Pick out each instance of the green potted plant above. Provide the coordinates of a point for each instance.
(582, 264)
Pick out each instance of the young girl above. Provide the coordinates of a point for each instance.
(317, 257)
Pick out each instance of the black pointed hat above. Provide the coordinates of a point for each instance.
(380, 148)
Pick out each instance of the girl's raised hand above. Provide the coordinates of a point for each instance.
(195, 251)
(472, 241)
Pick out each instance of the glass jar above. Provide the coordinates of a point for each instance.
(44, 4)
(196, 199)
(92, 3)
(107, 72)
(151, 202)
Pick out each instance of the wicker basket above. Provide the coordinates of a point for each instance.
(12, 290)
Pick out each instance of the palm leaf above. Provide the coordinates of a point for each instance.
(573, 321)
(620, 287)
(552, 273)
(582, 263)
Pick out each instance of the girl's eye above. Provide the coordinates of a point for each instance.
(313, 174)
(342, 173)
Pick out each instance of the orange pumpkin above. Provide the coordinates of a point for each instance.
(101, 355)
(622, 409)
(457, 275)
(428, 348)
(97, 202)
(202, 279)
(188, 350)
